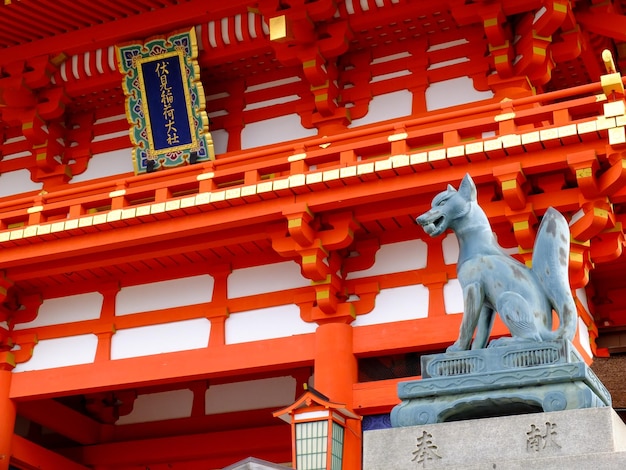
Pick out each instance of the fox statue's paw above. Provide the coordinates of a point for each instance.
(455, 347)
(504, 341)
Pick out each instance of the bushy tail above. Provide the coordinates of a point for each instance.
(550, 265)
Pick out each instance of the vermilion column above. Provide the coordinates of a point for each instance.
(7, 409)
(335, 374)
(335, 364)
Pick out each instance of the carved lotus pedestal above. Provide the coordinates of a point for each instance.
(519, 378)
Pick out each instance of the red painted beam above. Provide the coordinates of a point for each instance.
(170, 18)
(99, 249)
(612, 25)
(28, 455)
(218, 361)
(379, 396)
(205, 230)
(61, 419)
(224, 447)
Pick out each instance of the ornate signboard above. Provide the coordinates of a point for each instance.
(165, 103)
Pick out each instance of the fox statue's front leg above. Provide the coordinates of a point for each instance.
(473, 298)
(483, 329)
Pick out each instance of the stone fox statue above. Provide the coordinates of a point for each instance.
(493, 281)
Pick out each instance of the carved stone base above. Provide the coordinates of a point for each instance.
(521, 377)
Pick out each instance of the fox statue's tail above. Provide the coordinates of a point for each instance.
(550, 265)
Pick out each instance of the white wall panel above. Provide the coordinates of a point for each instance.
(100, 165)
(450, 245)
(274, 130)
(385, 107)
(165, 294)
(453, 92)
(17, 182)
(453, 296)
(266, 323)
(397, 304)
(250, 395)
(395, 258)
(159, 406)
(69, 309)
(60, 352)
(267, 278)
(583, 336)
(581, 295)
(158, 339)
(220, 141)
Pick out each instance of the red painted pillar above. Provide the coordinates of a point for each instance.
(7, 409)
(335, 374)
(335, 363)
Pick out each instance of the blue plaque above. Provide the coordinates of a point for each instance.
(166, 97)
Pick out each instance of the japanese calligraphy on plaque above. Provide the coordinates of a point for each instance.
(165, 103)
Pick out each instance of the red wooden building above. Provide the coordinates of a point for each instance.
(167, 319)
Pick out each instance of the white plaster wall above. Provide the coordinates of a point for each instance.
(583, 330)
(581, 295)
(453, 92)
(61, 352)
(164, 338)
(69, 309)
(388, 106)
(274, 130)
(447, 45)
(17, 182)
(448, 63)
(390, 75)
(266, 323)
(164, 294)
(266, 278)
(583, 336)
(453, 296)
(100, 165)
(450, 246)
(397, 304)
(395, 258)
(250, 395)
(220, 141)
(159, 406)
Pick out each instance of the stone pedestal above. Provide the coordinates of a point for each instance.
(522, 377)
(583, 439)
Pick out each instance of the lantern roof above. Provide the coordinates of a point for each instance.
(312, 398)
(252, 463)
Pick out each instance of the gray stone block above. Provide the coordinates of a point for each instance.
(593, 438)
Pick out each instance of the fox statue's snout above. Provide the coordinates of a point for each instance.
(446, 206)
(432, 222)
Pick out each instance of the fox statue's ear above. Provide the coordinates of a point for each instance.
(451, 188)
(467, 188)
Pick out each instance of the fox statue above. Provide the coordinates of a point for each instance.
(492, 281)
